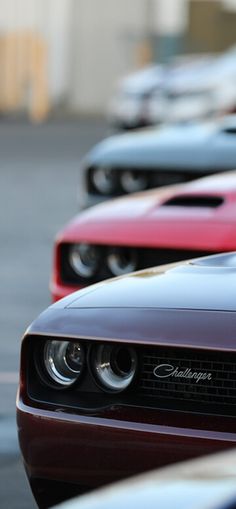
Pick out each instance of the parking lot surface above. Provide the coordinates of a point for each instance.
(39, 178)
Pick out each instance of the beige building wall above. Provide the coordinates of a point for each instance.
(34, 49)
(108, 41)
(111, 38)
(82, 47)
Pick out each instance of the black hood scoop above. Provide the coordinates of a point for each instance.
(194, 201)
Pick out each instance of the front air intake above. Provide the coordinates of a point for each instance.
(195, 201)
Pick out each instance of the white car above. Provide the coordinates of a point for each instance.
(129, 106)
(200, 91)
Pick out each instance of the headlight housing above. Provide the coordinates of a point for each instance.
(133, 181)
(84, 259)
(63, 361)
(114, 366)
(121, 260)
(104, 180)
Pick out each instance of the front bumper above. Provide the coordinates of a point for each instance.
(89, 452)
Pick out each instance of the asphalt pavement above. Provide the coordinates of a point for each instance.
(39, 180)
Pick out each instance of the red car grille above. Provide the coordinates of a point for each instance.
(191, 380)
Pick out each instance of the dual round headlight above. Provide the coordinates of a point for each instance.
(104, 180)
(86, 259)
(133, 181)
(121, 260)
(108, 181)
(63, 361)
(113, 367)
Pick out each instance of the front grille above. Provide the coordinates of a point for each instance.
(216, 397)
(209, 394)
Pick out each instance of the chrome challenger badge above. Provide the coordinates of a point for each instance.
(167, 371)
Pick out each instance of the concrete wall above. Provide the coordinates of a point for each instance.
(89, 45)
(33, 55)
(105, 46)
(110, 39)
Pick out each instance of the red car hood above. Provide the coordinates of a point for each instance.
(149, 219)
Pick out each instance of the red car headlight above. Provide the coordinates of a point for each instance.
(122, 260)
(84, 259)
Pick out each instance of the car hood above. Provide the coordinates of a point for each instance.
(149, 219)
(192, 147)
(204, 283)
(187, 304)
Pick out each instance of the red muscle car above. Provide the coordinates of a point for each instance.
(129, 375)
(146, 229)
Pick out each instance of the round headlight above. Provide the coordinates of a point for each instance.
(63, 361)
(133, 181)
(104, 180)
(114, 366)
(122, 260)
(84, 259)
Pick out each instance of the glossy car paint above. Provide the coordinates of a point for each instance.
(197, 484)
(191, 305)
(147, 220)
(199, 148)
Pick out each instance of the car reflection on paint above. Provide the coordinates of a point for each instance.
(208, 482)
(94, 404)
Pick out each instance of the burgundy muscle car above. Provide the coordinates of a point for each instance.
(129, 375)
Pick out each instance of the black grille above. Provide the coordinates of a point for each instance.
(155, 178)
(146, 257)
(214, 393)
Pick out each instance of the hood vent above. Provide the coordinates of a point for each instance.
(229, 129)
(195, 201)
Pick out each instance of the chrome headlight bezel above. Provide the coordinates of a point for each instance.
(104, 180)
(114, 367)
(133, 181)
(84, 259)
(59, 367)
(121, 256)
